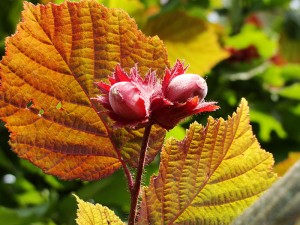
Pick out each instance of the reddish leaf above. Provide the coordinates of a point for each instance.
(48, 76)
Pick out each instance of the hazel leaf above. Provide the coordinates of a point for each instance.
(211, 176)
(194, 40)
(90, 214)
(47, 83)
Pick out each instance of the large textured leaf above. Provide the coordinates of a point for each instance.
(279, 205)
(48, 76)
(89, 214)
(211, 176)
(189, 38)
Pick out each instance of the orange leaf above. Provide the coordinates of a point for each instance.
(211, 176)
(48, 76)
(282, 167)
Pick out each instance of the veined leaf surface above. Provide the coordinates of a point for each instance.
(211, 176)
(48, 76)
(89, 214)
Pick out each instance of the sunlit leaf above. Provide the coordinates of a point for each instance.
(177, 132)
(188, 38)
(291, 71)
(291, 91)
(133, 7)
(211, 176)
(90, 214)
(250, 35)
(273, 76)
(48, 76)
(282, 167)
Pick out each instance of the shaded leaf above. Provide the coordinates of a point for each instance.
(291, 91)
(189, 38)
(282, 167)
(21, 216)
(111, 192)
(211, 176)
(129, 142)
(90, 214)
(56, 55)
(267, 124)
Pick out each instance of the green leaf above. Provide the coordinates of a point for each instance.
(23, 216)
(250, 35)
(273, 76)
(291, 71)
(267, 124)
(291, 91)
(177, 132)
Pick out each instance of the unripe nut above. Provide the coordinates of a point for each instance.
(126, 102)
(186, 86)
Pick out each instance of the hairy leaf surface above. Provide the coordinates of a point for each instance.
(211, 176)
(90, 214)
(189, 38)
(48, 76)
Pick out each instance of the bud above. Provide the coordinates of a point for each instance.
(126, 102)
(185, 86)
(135, 102)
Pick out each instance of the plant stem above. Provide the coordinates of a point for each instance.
(128, 176)
(137, 185)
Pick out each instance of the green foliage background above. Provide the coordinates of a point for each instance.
(28, 196)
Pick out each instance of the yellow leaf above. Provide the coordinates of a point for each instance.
(47, 83)
(188, 38)
(211, 176)
(90, 214)
(130, 6)
(282, 167)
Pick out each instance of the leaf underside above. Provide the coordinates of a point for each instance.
(90, 214)
(211, 176)
(48, 76)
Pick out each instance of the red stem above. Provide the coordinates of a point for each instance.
(137, 185)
